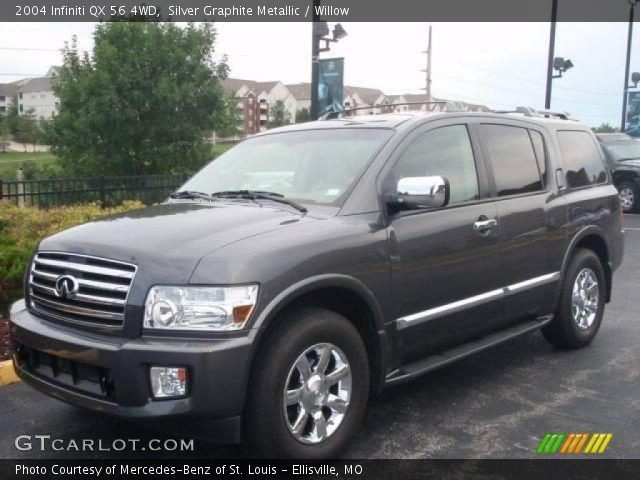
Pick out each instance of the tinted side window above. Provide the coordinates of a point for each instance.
(582, 159)
(443, 151)
(541, 154)
(515, 167)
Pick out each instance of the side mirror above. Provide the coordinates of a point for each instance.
(423, 192)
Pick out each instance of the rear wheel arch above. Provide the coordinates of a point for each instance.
(593, 239)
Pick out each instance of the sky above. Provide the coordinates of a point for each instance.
(501, 65)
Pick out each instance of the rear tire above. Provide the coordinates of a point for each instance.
(629, 197)
(281, 390)
(581, 305)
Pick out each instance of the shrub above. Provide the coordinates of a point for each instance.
(21, 230)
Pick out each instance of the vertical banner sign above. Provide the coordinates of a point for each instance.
(632, 126)
(331, 86)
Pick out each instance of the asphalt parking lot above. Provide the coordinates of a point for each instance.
(497, 404)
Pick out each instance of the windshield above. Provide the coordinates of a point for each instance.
(623, 151)
(310, 166)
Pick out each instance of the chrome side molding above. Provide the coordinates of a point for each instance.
(457, 306)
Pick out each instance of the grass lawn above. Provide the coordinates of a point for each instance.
(219, 148)
(10, 161)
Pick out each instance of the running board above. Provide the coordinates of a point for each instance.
(412, 370)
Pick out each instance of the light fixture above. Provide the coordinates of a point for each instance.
(561, 65)
(338, 32)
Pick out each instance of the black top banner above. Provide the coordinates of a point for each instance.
(303, 10)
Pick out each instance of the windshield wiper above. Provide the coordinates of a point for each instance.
(191, 194)
(259, 194)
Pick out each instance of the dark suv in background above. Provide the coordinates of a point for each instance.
(623, 154)
(315, 264)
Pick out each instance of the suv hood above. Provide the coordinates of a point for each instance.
(172, 237)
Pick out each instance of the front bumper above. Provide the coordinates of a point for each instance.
(111, 374)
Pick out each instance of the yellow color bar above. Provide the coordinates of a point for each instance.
(605, 442)
(594, 437)
(596, 445)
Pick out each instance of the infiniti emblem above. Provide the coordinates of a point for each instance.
(67, 286)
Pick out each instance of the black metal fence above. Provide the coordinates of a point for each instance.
(105, 190)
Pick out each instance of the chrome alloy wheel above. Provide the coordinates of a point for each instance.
(627, 198)
(317, 393)
(584, 299)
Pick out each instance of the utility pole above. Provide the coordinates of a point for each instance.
(627, 67)
(428, 70)
(315, 59)
(552, 46)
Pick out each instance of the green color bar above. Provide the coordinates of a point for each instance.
(547, 448)
(558, 442)
(543, 443)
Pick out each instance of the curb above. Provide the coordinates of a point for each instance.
(7, 374)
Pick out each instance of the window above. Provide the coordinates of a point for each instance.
(21, 108)
(444, 151)
(20, 95)
(541, 155)
(512, 157)
(2, 98)
(311, 166)
(582, 159)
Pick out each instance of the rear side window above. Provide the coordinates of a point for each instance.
(582, 159)
(515, 167)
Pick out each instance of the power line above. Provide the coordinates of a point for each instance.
(24, 49)
(526, 93)
(537, 82)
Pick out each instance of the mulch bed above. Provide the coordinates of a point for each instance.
(4, 339)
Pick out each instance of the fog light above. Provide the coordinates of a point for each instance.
(168, 381)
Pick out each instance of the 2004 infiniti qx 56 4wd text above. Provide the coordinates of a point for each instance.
(313, 265)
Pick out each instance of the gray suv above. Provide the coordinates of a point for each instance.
(313, 265)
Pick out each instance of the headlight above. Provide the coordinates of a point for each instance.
(199, 308)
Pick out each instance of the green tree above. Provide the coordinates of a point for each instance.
(5, 132)
(13, 115)
(605, 128)
(303, 115)
(228, 121)
(279, 115)
(145, 100)
(27, 130)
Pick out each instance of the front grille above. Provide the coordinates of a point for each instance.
(102, 288)
(85, 378)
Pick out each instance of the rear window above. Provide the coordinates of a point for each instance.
(515, 166)
(582, 160)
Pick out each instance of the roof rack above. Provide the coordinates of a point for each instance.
(532, 112)
(449, 106)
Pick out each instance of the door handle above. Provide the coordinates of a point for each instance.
(484, 225)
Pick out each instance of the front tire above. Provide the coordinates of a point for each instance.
(629, 197)
(581, 305)
(309, 388)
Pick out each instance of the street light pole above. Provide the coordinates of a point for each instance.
(315, 58)
(552, 46)
(627, 67)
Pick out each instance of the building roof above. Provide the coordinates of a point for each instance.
(300, 91)
(37, 84)
(232, 85)
(368, 95)
(8, 89)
